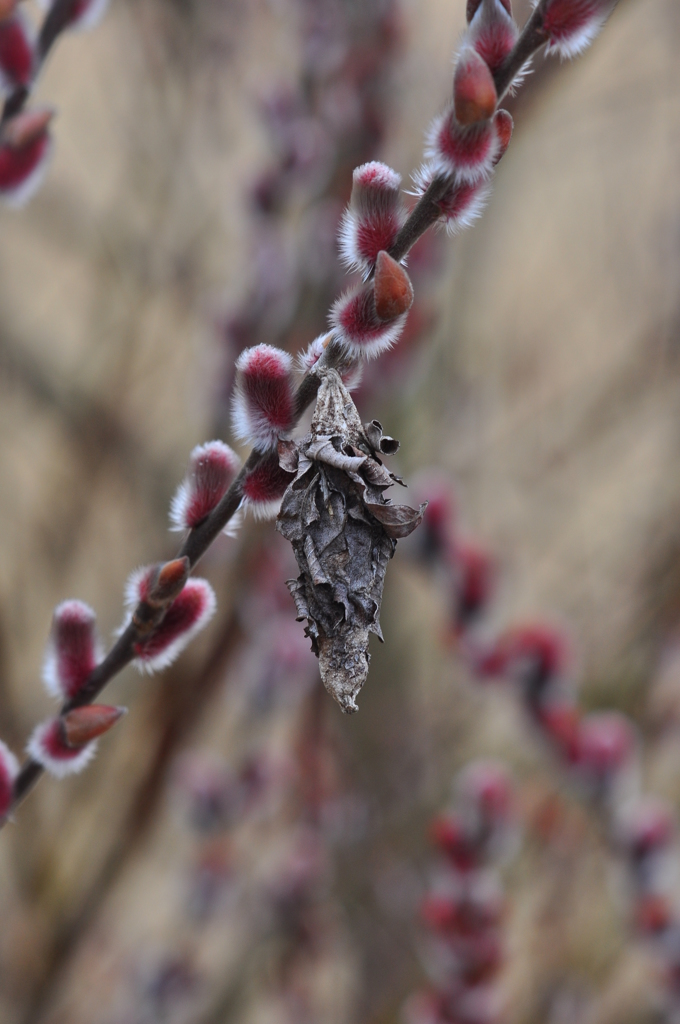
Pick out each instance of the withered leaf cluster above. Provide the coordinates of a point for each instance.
(343, 531)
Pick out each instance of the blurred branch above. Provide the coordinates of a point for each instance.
(92, 427)
(177, 710)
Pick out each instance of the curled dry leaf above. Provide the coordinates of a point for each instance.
(343, 531)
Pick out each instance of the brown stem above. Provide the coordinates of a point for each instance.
(425, 213)
(532, 38)
(178, 711)
(194, 547)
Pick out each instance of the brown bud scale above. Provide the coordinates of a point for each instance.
(82, 725)
(23, 129)
(168, 583)
(474, 90)
(392, 288)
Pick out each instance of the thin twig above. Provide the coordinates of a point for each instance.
(177, 716)
(532, 38)
(425, 213)
(194, 547)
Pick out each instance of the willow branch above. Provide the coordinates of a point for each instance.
(424, 215)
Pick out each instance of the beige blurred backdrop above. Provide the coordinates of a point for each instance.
(546, 387)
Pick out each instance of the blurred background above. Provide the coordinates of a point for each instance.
(240, 851)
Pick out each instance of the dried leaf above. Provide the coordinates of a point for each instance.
(343, 531)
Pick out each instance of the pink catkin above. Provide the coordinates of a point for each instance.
(374, 216)
(464, 907)
(264, 486)
(571, 25)
(504, 127)
(212, 468)
(474, 583)
(463, 204)
(185, 617)
(72, 650)
(493, 34)
(357, 323)
(606, 742)
(536, 645)
(17, 165)
(649, 826)
(351, 374)
(375, 233)
(485, 787)
(468, 153)
(47, 747)
(264, 396)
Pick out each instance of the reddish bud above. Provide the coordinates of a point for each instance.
(26, 127)
(486, 790)
(82, 725)
(450, 834)
(474, 578)
(265, 485)
(358, 325)
(492, 32)
(17, 56)
(439, 913)
(653, 914)
(648, 828)
(212, 468)
(561, 721)
(474, 91)
(392, 288)
(504, 126)
(374, 216)
(48, 747)
(184, 618)
(166, 582)
(25, 149)
(534, 656)
(605, 744)
(461, 204)
(264, 396)
(466, 153)
(571, 25)
(9, 769)
(73, 650)
(463, 912)
(480, 956)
